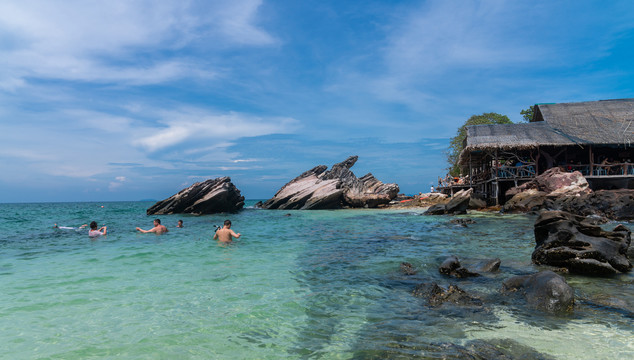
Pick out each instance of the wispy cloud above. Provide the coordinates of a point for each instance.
(178, 127)
(123, 42)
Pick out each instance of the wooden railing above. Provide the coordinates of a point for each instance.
(511, 172)
(612, 169)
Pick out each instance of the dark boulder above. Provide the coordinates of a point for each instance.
(336, 188)
(451, 266)
(545, 291)
(566, 240)
(613, 204)
(490, 265)
(208, 197)
(462, 222)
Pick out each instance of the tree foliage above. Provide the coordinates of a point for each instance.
(456, 142)
(527, 114)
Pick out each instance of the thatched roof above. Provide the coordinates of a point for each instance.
(591, 122)
(584, 123)
(510, 136)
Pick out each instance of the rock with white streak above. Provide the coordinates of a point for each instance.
(319, 188)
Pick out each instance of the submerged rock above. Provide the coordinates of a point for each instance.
(545, 291)
(566, 240)
(319, 188)
(208, 197)
(451, 266)
(437, 296)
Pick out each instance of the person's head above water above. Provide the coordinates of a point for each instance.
(180, 223)
(228, 223)
(93, 225)
(157, 222)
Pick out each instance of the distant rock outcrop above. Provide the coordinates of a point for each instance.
(208, 197)
(319, 188)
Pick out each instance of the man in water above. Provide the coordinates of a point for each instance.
(225, 233)
(180, 224)
(158, 229)
(94, 232)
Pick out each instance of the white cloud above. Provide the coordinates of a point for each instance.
(189, 124)
(119, 41)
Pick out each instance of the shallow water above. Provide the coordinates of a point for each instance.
(316, 284)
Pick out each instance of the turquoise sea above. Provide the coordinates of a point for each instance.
(315, 284)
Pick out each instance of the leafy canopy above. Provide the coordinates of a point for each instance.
(527, 114)
(456, 142)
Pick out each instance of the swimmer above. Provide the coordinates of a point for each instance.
(158, 229)
(225, 234)
(94, 232)
(180, 224)
(69, 227)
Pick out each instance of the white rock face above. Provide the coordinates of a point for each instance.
(333, 189)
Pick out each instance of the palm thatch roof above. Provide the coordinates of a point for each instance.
(591, 122)
(605, 122)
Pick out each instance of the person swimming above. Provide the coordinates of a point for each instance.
(225, 234)
(158, 229)
(69, 227)
(94, 232)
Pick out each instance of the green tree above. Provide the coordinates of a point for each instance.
(527, 114)
(456, 142)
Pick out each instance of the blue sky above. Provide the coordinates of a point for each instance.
(129, 100)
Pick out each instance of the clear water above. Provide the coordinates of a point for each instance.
(316, 284)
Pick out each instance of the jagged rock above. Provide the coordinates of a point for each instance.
(566, 240)
(336, 188)
(436, 295)
(554, 182)
(458, 204)
(545, 291)
(207, 197)
(613, 204)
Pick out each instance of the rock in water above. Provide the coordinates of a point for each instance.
(319, 188)
(567, 240)
(208, 197)
(545, 291)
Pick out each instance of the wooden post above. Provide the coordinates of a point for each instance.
(591, 160)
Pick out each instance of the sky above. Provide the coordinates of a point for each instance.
(135, 100)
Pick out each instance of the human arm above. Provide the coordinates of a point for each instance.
(144, 231)
(235, 235)
(105, 230)
(216, 235)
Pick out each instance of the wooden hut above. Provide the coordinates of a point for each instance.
(595, 138)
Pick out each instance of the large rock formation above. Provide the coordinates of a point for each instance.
(566, 240)
(555, 182)
(545, 290)
(208, 197)
(319, 188)
(559, 190)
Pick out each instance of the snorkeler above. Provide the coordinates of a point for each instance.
(69, 227)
